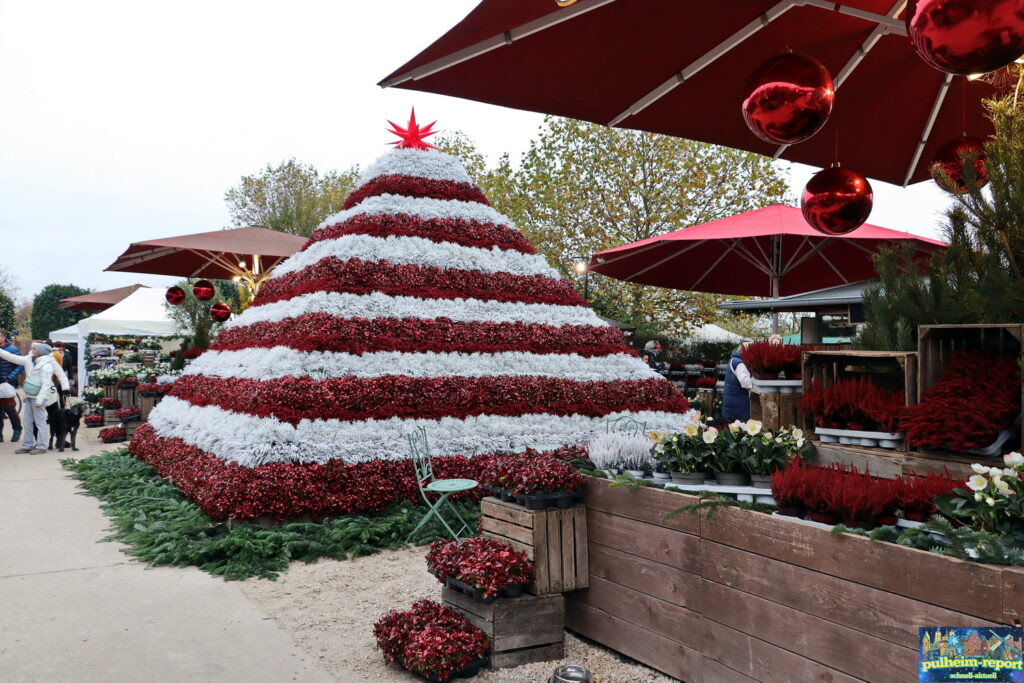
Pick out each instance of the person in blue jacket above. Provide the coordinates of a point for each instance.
(736, 393)
(9, 373)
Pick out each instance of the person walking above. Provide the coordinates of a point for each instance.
(40, 392)
(9, 373)
(736, 393)
(650, 354)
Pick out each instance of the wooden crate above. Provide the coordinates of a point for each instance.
(883, 462)
(146, 405)
(522, 630)
(888, 369)
(127, 397)
(775, 411)
(556, 541)
(936, 343)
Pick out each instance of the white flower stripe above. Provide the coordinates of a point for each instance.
(418, 163)
(377, 305)
(281, 361)
(421, 207)
(252, 441)
(419, 251)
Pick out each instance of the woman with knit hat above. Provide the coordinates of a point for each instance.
(40, 392)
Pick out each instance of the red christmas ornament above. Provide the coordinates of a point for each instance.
(789, 99)
(203, 290)
(220, 311)
(954, 156)
(412, 135)
(836, 201)
(966, 36)
(175, 295)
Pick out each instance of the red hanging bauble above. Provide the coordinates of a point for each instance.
(203, 290)
(836, 201)
(953, 158)
(175, 295)
(966, 36)
(220, 311)
(788, 99)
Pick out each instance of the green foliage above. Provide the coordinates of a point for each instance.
(7, 313)
(46, 317)
(193, 315)
(980, 277)
(291, 197)
(161, 527)
(939, 536)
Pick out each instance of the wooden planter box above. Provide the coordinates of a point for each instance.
(110, 418)
(109, 391)
(127, 397)
(556, 541)
(146, 404)
(888, 369)
(747, 596)
(522, 630)
(936, 343)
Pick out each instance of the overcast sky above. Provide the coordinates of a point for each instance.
(123, 121)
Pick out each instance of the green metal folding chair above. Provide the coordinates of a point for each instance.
(626, 424)
(424, 469)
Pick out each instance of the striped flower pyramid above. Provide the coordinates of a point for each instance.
(417, 304)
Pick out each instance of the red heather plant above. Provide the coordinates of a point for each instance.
(127, 412)
(113, 434)
(859, 499)
(110, 403)
(430, 639)
(706, 383)
(854, 404)
(766, 357)
(127, 382)
(977, 396)
(916, 495)
(792, 486)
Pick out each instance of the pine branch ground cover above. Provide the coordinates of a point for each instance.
(159, 526)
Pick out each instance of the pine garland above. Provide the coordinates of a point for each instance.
(161, 527)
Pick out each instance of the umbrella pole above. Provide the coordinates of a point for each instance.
(776, 267)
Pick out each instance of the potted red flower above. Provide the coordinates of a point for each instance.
(706, 383)
(110, 403)
(94, 420)
(543, 481)
(483, 568)
(433, 641)
(152, 389)
(113, 435)
(128, 414)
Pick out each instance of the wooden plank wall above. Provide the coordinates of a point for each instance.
(746, 596)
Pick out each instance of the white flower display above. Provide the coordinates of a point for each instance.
(710, 434)
(417, 163)
(619, 449)
(753, 427)
(378, 305)
(977, 482)
(403, 249)
(420, 207)
(281, 361)
(979, 468)
(1013, 459)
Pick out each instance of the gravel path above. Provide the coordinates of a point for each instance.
(329, 608)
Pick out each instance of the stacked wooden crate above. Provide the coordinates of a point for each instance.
(531, 628)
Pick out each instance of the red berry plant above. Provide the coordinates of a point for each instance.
(431, 640)
(950, 416)
(483, 563)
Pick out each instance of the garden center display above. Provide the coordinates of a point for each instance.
(416, 305)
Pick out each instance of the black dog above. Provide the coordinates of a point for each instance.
(64, 423)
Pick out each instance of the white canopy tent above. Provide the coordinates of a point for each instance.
(141, 313)
(712, 332)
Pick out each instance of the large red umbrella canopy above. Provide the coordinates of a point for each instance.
(680, 68)
(97, 301)
(766, 252)
(217, 254)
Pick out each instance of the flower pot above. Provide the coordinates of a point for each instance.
(564, 500)
(662, 475)
(766, 375)
(732, 478)
(915, 515)
(689, 478)
(761, 481)
(887, 520)
(790, 510)
(120, 439)
(513, 591)
(639, 474)
(506, 495)
(821, 517)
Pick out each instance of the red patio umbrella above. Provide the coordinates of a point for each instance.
(247, 254)
(97, 301)
(766, 252)
(680, 68)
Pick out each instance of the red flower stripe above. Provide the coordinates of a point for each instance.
(292, 399)
(325, 332)
(355, 276)
(411, 186)
(224, 489)
(466, 232)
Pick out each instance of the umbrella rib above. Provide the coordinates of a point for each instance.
(858, 56)
(796, 253)
(494, 42)
(745, 253)
(818, 248)
(206, 263)
(927, 132)
(625, 255)
(705, 60)
(141, 257)
(725, 252)
(667, 258)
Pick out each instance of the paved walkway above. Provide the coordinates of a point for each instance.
(72, 609)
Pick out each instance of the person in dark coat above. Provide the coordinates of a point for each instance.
(9, 373)
(736, 394)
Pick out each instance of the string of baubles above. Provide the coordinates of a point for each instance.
(204, 290)
(790, 97)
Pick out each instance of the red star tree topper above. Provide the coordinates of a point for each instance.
(412, 135)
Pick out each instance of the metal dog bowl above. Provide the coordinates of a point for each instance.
(571, 674)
